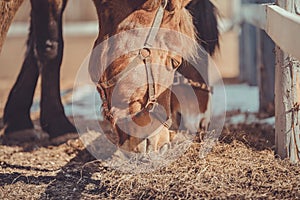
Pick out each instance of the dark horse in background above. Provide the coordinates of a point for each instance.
(45, 52)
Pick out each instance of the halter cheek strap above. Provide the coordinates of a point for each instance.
(156, 24)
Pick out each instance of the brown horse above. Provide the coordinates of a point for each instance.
(189, 117)
(140, 116)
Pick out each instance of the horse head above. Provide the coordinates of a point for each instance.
(135, 86)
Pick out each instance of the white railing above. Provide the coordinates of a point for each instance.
(282, 23)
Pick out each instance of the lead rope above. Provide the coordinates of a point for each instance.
(179, 79)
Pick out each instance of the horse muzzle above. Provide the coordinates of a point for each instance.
(145, 131)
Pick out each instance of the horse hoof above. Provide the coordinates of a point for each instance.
(24, 136)
(58, 127)
(63, 138)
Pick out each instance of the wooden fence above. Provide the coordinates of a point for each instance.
(277, 51)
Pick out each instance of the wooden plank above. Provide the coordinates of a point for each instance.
(287, 130)
(248, 49)
(287, 107)
(248, 69)
(255, 14)
(266, 74)
(284, 28)
(250, 64)
(276, 21)
(265, 65)
(282, 75)
(297, 7)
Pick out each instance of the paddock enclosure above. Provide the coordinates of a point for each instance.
(256, 155)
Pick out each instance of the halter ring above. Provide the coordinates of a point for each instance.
(145, 53)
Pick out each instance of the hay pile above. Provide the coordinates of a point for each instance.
(241, 165)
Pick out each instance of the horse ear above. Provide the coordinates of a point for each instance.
(205, 17)
(185, 3)
(178, 4)
(150, 5)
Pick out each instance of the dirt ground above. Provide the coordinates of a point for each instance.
(242, 165)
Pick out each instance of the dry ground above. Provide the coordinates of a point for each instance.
(241, 165)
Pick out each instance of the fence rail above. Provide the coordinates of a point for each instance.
(281, 22)
(281, 25)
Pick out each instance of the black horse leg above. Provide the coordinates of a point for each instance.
(47, 18)
(44, 55)
(17, 108)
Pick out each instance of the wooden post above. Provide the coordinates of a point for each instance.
(8, 9)
(249, 67)
(265, 73)
(257, 58)
(287, 74)
(248, 54)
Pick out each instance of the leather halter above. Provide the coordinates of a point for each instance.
(144, 55)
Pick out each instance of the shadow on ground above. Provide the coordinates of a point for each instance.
(241, 165)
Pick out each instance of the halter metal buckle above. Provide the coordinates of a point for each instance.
(151, 106)
(177, 78)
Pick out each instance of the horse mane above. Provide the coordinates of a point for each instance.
(151, 5)
(187, 27)
(205, 20)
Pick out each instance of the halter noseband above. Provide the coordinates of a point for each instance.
(144, 55)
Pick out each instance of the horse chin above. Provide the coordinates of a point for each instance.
(139, 133)
(158, 143)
